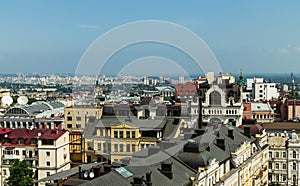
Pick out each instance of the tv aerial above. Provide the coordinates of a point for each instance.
(7, 100)
(22, 100)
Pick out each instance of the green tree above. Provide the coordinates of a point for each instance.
(20, 174)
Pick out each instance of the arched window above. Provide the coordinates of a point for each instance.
(294, 154)
(215, 98)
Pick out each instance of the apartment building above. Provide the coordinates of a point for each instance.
(45, 151)
(284, 153)
(77, 116)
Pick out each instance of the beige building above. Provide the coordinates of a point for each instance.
(45, 151)
(284, 155)
(76, 117)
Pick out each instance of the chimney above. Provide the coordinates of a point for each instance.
(137, 181)
(247, 131)
(230, 133)
(191, 146)
(148, 181)
(208, 148)
(221, 143)
(234, 123)
(166, 169)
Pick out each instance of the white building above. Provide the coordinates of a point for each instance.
(45, 151)
(221, 98)
(258, 90)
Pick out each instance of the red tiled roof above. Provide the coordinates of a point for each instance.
(4, 131)
(291, 102)
(254, 128)
(28, 135)
(187, 89)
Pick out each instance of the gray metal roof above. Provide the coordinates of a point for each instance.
(107, 122)
(34, 108)
(67, 173)
(181, 175)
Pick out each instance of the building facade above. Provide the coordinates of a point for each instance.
(45, 151)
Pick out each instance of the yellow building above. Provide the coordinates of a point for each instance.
(111, 139)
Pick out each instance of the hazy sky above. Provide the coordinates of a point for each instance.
(52, 35)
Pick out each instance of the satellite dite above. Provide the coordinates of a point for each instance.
(7, 101)
(22, 100)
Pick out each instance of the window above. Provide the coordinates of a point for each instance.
(121, 147)
(104, 147)
(48, 174)
(115, 134)
(69, 126)
(277, 154)
(99, 146)
(270, 177)
(48, 153)
(283, 166)
(127, 134)
(17, 152)
(294, 154)
(277, 177)
(48, 163)
(78, 118)
(133, 147)
(270, 165)
(69, 118)
(34, 141)
(270, 154)
(277, 166)
(121, 134)
(128, 148)
(101, 132)
(4, 172)
(47, 142)
(23, 152)
(133, 134)
(116, 147)
(21, 141)
(215, 98)
(284, 154)
(284, 177)
(294, 166)
(294, 179)
(78, 126)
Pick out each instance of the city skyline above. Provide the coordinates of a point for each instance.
(51, 37)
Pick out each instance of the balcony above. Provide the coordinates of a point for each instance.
(11, 156)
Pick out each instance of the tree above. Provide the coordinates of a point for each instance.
(20, 174)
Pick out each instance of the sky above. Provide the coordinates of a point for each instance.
(51, 36)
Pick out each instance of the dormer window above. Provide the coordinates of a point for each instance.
(21, 141)
(33, 141)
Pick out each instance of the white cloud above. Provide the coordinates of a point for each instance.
(86, 26)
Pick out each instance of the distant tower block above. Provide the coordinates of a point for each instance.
(181, 80)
